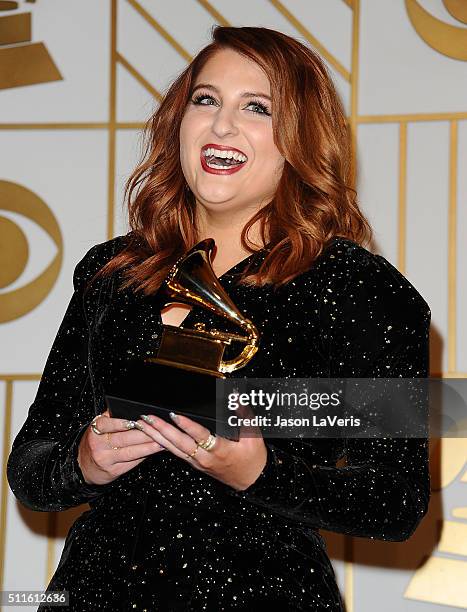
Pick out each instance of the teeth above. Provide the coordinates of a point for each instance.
(225, 154)
(217, 167)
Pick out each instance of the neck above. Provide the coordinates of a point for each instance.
(226, 228)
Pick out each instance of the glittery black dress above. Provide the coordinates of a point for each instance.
(165, 536)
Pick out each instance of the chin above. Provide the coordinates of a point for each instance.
(214, 204)
(214, 198)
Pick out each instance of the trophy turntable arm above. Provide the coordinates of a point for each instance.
(383, 492)
(42, 468)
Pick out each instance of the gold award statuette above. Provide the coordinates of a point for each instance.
(192, 281)
(181, 376)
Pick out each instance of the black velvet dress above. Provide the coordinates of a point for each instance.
(165, 536)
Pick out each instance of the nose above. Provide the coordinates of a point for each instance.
(224, 122)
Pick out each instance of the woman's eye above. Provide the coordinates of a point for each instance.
(263, 109)
(197, 99)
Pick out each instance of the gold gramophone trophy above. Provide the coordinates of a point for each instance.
(181, 377)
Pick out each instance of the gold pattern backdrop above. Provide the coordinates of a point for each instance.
(78, 79)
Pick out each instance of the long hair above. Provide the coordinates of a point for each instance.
(314, 200)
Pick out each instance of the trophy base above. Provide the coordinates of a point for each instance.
(154, 388)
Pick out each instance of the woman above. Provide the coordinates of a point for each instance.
(177, 523)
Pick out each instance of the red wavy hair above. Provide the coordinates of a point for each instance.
(314, 200)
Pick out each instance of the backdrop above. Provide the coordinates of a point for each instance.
(78, 78)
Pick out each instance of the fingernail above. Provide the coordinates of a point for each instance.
(147, 419)
(173, 416)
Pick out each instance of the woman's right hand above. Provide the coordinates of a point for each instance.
(100, 463)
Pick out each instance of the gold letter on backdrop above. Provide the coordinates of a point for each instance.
(443, 37)
(14, 251)
(22, 64)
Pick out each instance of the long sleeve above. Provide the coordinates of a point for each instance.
(375, 324)
(42, 469)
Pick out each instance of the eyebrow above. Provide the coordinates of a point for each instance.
(244, 94)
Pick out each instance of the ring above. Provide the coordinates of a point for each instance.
(93, 426)
(109, 442)
(130, 424)
(193, 453)
(208, 444)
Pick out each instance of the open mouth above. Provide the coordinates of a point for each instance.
(222, 160)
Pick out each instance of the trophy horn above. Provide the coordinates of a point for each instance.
(191, 280)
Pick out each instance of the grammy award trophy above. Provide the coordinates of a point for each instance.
(181, 376)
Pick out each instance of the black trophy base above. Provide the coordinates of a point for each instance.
(153, 388)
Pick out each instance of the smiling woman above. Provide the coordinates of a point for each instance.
(267, 96)
(250, 139)
(223, 103)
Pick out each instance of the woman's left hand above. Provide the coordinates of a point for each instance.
(237, 464)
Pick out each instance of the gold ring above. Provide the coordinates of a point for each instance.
(193, 453)
(93, 426)
(208, 444)
(109, 442)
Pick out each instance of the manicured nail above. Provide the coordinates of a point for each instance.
(173, 416)
(147, 419)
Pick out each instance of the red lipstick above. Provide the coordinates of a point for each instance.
(212, 145)
(219, 170)
(231, 170)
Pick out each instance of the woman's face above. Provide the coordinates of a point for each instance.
(226, 113)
